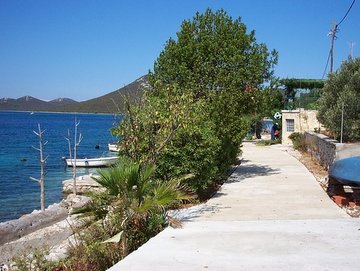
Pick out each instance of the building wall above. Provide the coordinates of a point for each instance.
(303, 121)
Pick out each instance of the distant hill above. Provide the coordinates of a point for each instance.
(112, 102)
(109, 103)
(28, 103)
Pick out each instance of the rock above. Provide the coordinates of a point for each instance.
(76, 201)
(61, 250)
(15, 229)
(84, 184)
(45, 238)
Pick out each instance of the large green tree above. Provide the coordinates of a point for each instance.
(205, 84)
(216, 59)
(342, 88)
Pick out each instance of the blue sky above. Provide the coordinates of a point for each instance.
(84, 49)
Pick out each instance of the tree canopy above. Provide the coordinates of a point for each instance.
(342, 88)
(214, 52)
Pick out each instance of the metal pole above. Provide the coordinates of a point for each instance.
(342, 123)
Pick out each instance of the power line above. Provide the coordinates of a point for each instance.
(353, 2)
(334, 30)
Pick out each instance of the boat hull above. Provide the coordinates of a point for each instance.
(113, 147)
(346, 171)
(92, 162)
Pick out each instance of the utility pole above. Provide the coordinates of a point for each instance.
(351, 45)
(333, 37)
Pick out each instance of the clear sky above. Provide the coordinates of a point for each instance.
(84, 49)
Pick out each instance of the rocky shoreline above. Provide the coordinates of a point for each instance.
(52, 229)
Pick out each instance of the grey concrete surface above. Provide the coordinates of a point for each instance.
(347, 150)
(270, 215)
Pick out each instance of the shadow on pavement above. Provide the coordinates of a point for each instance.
(245, 171)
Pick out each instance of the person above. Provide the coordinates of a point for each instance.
(275, 132)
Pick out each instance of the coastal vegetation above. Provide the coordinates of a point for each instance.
(205, 87)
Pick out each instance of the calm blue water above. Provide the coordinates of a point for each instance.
(19, 194)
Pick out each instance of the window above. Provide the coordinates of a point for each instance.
(290, 125)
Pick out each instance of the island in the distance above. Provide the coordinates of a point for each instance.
(112, 102)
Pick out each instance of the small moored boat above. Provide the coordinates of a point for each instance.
(92, 162)
(113, 147)
(346, 171)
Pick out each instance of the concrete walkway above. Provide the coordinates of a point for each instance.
(270, 215)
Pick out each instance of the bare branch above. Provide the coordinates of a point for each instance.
(33, 179)
(170, 135)
(35, 148)
(116, 105)
(80, 139)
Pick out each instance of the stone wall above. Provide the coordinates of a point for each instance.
(321, 147)
(327, 150)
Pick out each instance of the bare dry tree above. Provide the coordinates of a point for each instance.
(69, 145)
(77, 141)
(41, 181)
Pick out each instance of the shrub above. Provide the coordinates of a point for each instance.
(263, 143)
(298, 140)
(33, 261)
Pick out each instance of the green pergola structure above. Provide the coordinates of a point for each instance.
(305, 100)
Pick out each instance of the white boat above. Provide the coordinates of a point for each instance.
(92, 162)
(113, 147)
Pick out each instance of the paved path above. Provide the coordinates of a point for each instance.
(270, 215)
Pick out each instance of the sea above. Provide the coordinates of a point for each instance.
(19, 160)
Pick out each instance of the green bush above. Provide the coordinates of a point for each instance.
(192, 151)
(298, 140)
(264, 143)
(33, 260)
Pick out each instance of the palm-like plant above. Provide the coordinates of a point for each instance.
(138, 196)
(133, 183)
(130, 211)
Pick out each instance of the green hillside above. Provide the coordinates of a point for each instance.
(109, 103)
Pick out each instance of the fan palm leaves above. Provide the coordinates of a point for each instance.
(133, 185)
(134, 204)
